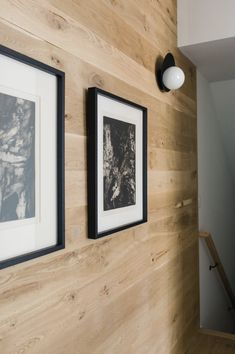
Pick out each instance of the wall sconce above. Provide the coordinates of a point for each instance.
(169, 76)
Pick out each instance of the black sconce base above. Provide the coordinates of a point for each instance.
(167, 62)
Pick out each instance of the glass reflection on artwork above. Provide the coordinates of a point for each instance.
(17, 158)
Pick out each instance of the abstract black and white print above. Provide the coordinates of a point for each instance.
(119, 163)
(17, 158)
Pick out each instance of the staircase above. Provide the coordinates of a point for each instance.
(216, 266)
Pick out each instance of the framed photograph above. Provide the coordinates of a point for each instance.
(31, 158)
(117, 163)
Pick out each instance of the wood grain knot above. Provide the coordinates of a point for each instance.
(170, 16)
(70, 298)
(114, 2)
(56, 21)
(81, 315)
(68, 116)
(13, 324)
(146, 25)
(55, 60)
(156, 256)
(97, 80)
(105, 291)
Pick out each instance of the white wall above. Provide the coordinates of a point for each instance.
(216, 210)
(206, 35)
(224, 102)
(205, 20)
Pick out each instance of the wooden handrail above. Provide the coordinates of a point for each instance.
(211, 246)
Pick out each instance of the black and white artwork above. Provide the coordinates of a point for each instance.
(119, 160)
(17, 158)
(117, 163)
(31, 158)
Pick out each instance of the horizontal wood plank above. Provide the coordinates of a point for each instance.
(135, 292)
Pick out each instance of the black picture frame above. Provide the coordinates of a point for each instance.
(92, 163)
(60, 78)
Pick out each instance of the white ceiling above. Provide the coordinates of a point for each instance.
(206, 34)
(214, 59)
(200, 21)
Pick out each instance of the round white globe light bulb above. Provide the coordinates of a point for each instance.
(173, 78)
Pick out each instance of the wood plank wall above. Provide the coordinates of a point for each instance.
(211, 344)
(135, 292)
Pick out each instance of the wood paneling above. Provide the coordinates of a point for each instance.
(211, 343)
(135, 292)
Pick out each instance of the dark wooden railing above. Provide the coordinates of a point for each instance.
(218, 265)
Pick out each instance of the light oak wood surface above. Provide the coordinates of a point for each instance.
(135, 292)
